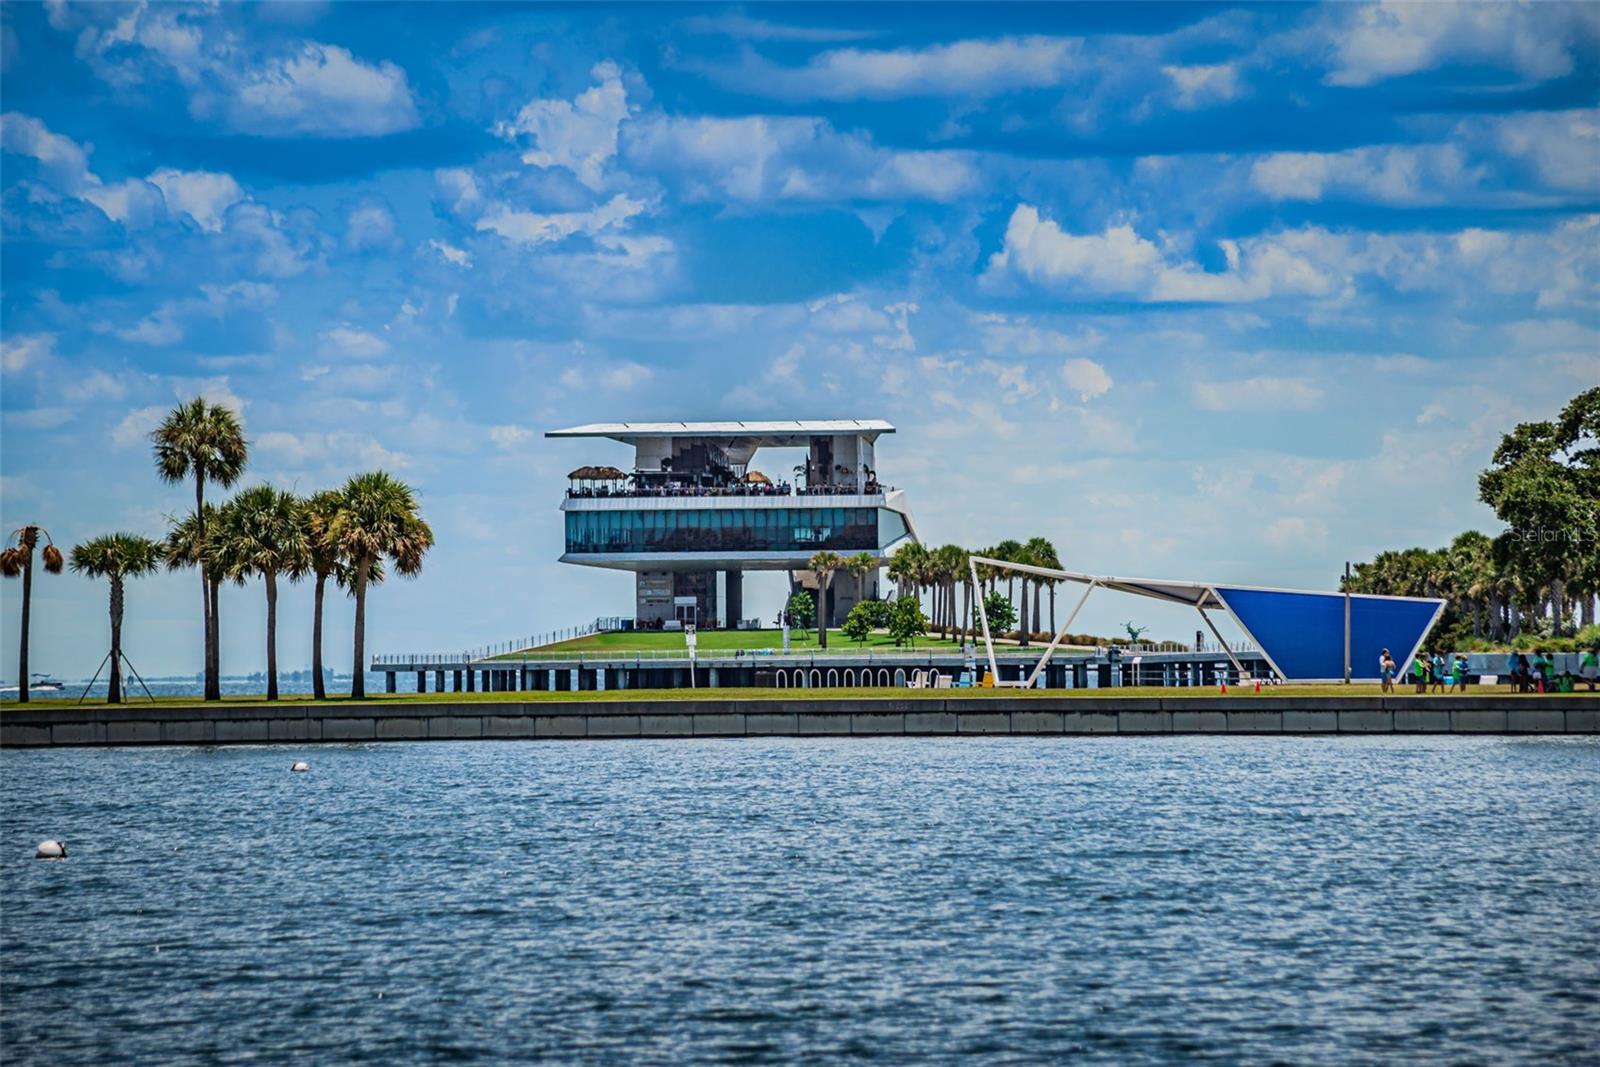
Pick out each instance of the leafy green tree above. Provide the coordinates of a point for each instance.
(907, 622)
(801, 609)
(261, 532)
(117, 557)
(1544, 483)
(205, 441)
(877, 612)
(377, 519)
(858, 624)
(998, 610)
(17, 561)
(824, 565)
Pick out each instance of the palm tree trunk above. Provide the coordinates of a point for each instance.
(822, 612)
(27, 610)
(1022, 617)
(215, 666)
(1052, 609)
(1038, 595)
(358, 674)
(213, 687)
(272, 635)
(318, 689)
(114, 685)
(966, 611)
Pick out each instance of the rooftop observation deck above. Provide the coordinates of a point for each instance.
(743, 496)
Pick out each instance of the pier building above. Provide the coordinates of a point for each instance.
(693, 510)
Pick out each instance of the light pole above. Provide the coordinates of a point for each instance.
(1347, 622)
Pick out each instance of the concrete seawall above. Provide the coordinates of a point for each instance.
(378, 720)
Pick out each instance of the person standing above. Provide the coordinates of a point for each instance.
(1437, 671)
(1419, 671)
(1386, 669)
(1541, 671)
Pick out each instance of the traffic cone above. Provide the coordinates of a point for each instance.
(1258, 685)
(1224, 685)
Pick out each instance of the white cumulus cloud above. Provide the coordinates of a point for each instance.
(578, 134)
(1263, 393)
(356, 344)
(759, 157)
(959, 68)
(1374, 42)
(202, 195)
(1086, 378)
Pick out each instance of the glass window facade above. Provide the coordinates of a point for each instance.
(799, 530)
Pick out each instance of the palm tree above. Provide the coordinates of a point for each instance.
(951, 567)
(183, 547)
(377, 518)
(260, 531)
(823, 564)
(1043, 554)
(206, 441)
(17, 559)
(906, 566)
(861, 564)
(117, 556)
(1011, 552)
(317, 516)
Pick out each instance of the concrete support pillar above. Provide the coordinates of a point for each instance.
(456, 680)
(733, 604)
(600, 678)
(472, 680)
(422, 681)
(388, 681)
(438, 681)
(713, 677)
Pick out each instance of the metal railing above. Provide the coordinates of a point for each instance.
(511, 657)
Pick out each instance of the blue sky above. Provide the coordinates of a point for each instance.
(1232, 292)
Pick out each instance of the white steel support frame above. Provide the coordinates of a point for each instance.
(1090, 583)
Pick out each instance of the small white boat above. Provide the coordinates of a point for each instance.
(42, 683)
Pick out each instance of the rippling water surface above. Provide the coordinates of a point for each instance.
(1021, 900)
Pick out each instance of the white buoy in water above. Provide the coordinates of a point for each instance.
(299, 765)
(51, 850)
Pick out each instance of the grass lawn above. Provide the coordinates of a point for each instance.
(1267, 694)
(725, 640)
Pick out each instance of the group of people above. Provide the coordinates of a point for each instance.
(1539, 674)
(1439, 673)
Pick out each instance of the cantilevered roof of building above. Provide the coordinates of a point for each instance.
(774, 433)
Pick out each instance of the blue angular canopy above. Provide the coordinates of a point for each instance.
(1303, 633)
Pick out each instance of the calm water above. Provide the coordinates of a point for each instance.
(1013, 900)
